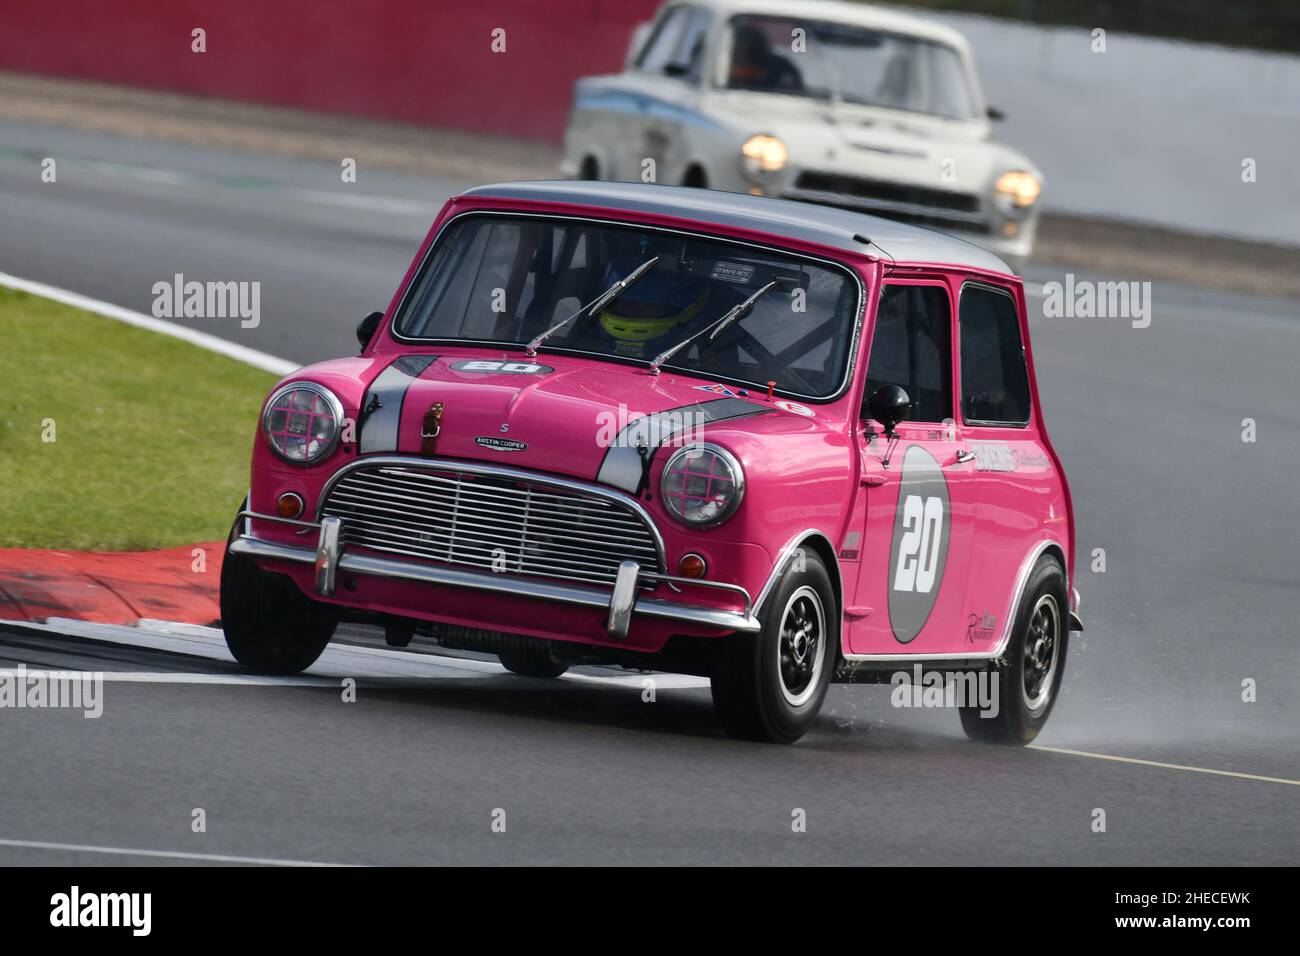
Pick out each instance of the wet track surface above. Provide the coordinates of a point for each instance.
(1201, 591)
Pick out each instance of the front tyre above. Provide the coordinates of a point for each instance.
(532, 662)
(270, 625)
(1029, 678)
(770, 686)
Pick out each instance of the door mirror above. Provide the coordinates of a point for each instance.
(996, 115)
(889, 405)
(366, 328)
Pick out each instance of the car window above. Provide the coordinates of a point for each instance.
(507, 279)
(665, 42)
(912, 348)
(850, 63)
(994, 380)
(690, 50)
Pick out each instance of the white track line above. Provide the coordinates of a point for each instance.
(240, 353)
(339, 660)
(1165, 766)
(163, 854)
(169, 677)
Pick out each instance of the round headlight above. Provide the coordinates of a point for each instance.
(702, 485)
(302, 422)
(1019, 188)
(764, 154)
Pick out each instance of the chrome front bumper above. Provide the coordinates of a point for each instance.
(329, 557)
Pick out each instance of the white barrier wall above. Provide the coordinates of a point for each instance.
(1150, 130)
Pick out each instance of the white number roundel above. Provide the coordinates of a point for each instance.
(918, 548)
(918, 551)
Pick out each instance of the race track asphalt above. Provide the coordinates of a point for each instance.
(1201, 592)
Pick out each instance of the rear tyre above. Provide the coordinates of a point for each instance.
(270, 625)
(770, 686)
(1029, 678)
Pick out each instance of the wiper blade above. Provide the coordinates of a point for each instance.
(732, 315)
(595, 305)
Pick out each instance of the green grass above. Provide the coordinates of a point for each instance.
(152, 434)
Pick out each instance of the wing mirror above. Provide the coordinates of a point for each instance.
(889, 405)
(366, 328)
(996, 115)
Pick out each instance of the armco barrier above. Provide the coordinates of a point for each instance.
(420, 61)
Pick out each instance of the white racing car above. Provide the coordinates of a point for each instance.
(835, 103)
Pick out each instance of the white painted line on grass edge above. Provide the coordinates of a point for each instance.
(162, 854)
(240, 353)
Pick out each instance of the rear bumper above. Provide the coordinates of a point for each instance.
(620, 604)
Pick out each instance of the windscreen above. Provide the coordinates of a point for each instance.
(503, 279)
(850, 63)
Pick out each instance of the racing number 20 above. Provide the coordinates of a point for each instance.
(918, 550)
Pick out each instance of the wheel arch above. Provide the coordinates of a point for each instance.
(1048, 546)
(820, 545)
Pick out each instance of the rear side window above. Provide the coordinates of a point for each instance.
(994, 381)
(912, 348)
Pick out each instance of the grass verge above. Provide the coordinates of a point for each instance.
(151, 434)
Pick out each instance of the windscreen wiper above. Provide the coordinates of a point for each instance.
(732, 315)
(595, 305)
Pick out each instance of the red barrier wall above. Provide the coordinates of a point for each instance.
(418, 61)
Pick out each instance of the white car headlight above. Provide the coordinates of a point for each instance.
(1019, 188)
(302, 422)
(702, 485)
(763, 154)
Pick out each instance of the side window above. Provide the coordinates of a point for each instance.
(663, 45)
(912, 348)
(690, 51)
(994, 381)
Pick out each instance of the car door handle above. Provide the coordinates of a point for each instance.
(963, 456)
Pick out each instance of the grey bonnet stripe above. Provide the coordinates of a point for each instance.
(379, 428)
(622, 467)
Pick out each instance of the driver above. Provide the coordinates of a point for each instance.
(653, 315)
(754, 66)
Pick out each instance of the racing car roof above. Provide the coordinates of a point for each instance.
(825, 225)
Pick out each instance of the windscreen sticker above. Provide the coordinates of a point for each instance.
(918, 550)
(733, 272)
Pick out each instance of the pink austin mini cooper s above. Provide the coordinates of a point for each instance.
(770, 443)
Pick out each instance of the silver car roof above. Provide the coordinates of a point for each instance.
(826, 225)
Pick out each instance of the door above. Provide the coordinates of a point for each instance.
(1016, 481)
(919, 515)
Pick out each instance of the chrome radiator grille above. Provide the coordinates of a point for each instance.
(496, 522)
(916, 204)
